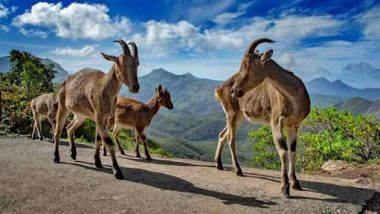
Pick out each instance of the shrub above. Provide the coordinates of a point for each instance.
(28, 78)
(326, 134)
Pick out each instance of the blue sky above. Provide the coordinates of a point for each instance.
(332, 39)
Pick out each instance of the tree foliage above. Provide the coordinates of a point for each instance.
(326, 134)
(28, 78)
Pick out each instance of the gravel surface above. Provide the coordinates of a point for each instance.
(31, 183)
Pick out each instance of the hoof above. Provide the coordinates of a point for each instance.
(285, 191)
(219, 167)
(122, 152)
(138, 155)
(239, 173)
(119, 175)
(98, 163)
(56, 160)
(149, 158)
(219, 164)
(33, 138)
(73, 156)
(296, 186)
(41, 138)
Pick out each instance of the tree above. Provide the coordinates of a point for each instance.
(27, 69)
(28, 78)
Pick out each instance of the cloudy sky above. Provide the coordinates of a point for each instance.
(332, 39)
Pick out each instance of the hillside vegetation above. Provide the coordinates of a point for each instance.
(326, 134)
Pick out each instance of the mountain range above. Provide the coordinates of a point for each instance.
(61, 74)
(190, 95)
(337, 88)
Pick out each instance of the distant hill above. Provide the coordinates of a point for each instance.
(190, 95)
(337, 88)
(61, 74)
(356, 105)
(374, 109)
(323, 101)
(4, 64)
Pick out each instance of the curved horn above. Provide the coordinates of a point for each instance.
(124, 45)
(252, 47)
(135, 50)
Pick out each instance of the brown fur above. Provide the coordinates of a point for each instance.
(270, 94)
(133, 114)
(234, 117)
(90, 93)
(43, 106)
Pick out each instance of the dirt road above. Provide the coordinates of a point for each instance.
(31, 183)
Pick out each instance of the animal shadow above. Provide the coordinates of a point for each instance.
(169, 182)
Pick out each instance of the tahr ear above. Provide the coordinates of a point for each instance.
(267, 55)
(109, 57)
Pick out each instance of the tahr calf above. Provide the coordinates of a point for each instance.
(133, 114)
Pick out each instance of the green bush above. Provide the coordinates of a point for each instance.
(326, 134)
(264, 150)
(86, 131)
(28, 78)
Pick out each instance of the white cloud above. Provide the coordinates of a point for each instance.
(245, 6)
(225, 18)
(183, 35)
(361, 75)
(322, 72)
(228, 17)
(287, 60)
(77, 20)
(69, 51)
(197, 11)
(13, 9)
(370, 20)
(183, 32)
(33, 33)
(219, 45)
(4, 28)
(4, 11)
(298, 27)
